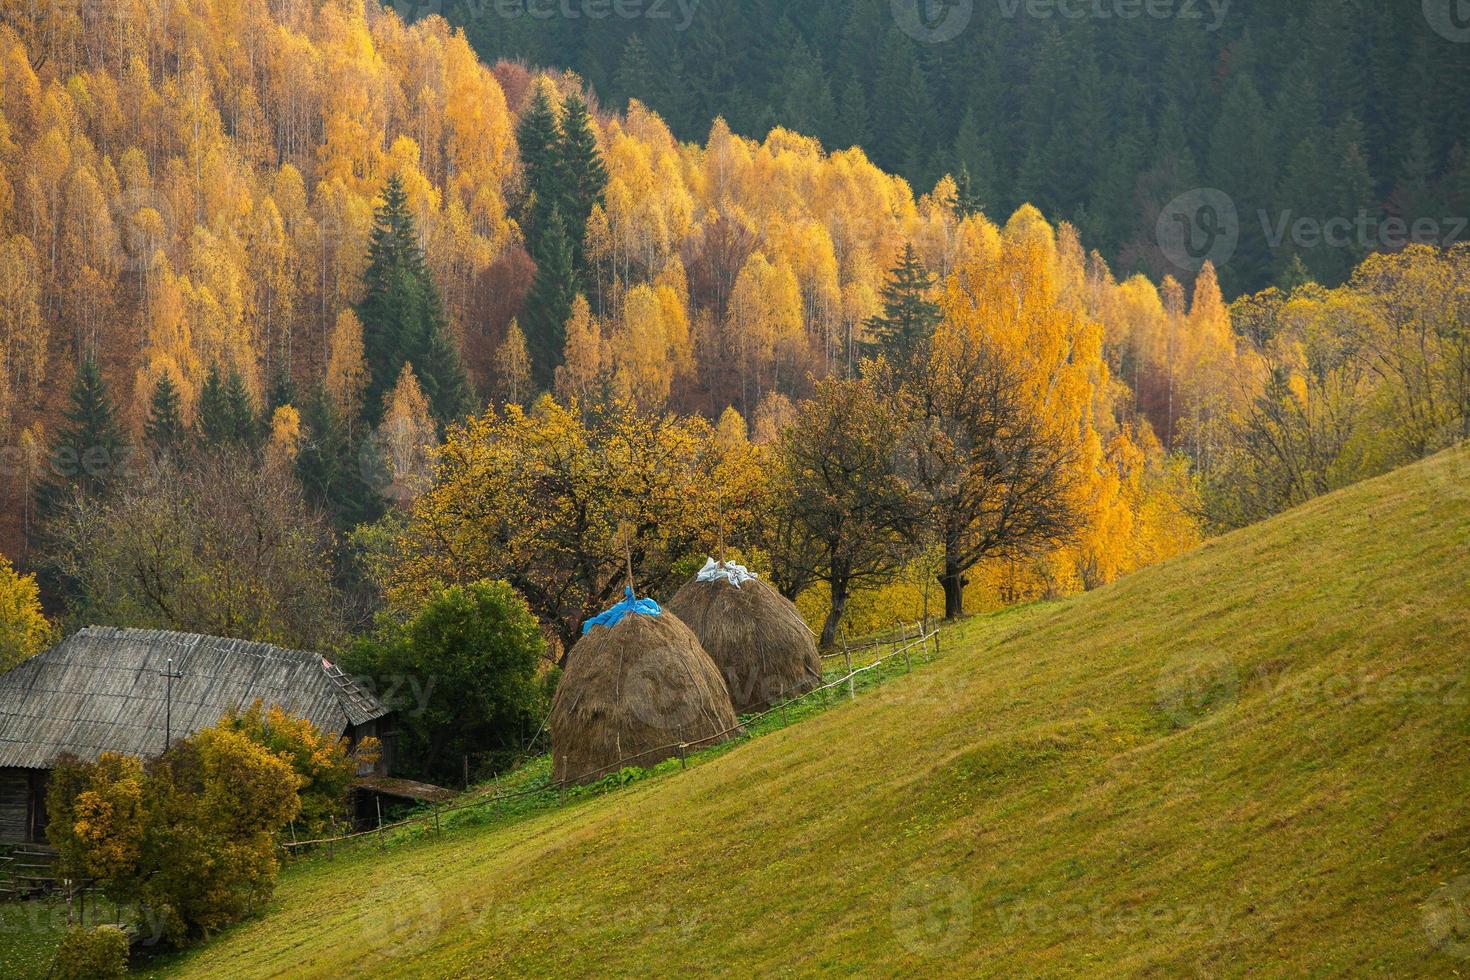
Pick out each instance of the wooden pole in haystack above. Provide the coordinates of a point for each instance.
(626, 532)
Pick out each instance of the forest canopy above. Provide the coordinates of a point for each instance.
(346, 255)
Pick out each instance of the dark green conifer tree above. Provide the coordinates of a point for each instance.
(89, 454)
(549, 305)
(402, 315)
(909, 317)
(333, 469)
(164, 430)
(581, 177)
(538, 136)
(214, 426)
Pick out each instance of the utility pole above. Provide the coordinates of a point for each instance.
(168, 702)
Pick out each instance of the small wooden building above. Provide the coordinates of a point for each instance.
(108, 690)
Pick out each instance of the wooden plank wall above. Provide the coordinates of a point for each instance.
(15, 806)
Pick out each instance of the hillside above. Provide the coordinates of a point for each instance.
(1249, 759)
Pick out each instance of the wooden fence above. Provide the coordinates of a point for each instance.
(903, 643)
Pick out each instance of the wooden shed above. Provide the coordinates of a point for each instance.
(109, 690)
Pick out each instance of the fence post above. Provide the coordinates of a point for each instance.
(851, 688)
(436, 820)
(683, 762)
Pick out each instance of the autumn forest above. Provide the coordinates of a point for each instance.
(417, 319)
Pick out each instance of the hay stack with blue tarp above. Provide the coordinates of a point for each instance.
(636, 686)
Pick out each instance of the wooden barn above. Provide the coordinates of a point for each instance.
(110, 690)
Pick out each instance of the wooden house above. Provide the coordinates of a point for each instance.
(110, 690)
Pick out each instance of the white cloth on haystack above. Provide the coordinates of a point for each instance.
(714, 571)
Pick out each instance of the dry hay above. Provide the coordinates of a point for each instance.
(631, 693)
(755, 636)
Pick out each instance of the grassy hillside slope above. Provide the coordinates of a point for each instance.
(1252, 759)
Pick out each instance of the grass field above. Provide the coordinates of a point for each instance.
(1254, 759)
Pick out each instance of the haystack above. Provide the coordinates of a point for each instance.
(753, 633)
(631, 693)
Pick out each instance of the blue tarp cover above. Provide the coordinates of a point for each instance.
(631, 604)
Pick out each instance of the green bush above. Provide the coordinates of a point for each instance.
(90, 954)
(475, 655)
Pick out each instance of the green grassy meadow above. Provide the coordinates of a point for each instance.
(1251, 760)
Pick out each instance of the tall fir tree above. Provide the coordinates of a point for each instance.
(89, 454)
(853, 127)
(164, 432)
(581, 177)
(227, 418)
(549, 305)
(636, 77)
(402, 315)
(331, 466)
(906, 325)
(243, 422)
(213, 422)
(538, 135)
(974, 166)
(442, 377)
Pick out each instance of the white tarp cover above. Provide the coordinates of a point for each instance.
(736, 575)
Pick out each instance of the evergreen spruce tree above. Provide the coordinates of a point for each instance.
(89, 453)
(974, 166)
(243, 424)
(581, 177)
(1414, 196)
(442, 377)
(804, 100)
(402, 315)
(163, 432)
(282, 392)
(636, 75)
(227, 417)
(903, 113)
(383, 311)
(549, 305)
(329, 465)
(538, 135)
(1241, 165)
(853, 128)
(907, 323)
(215, 425)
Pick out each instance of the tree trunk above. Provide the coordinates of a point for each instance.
(953, 581)
(834, 615)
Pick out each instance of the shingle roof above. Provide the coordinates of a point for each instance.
(102, 690)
